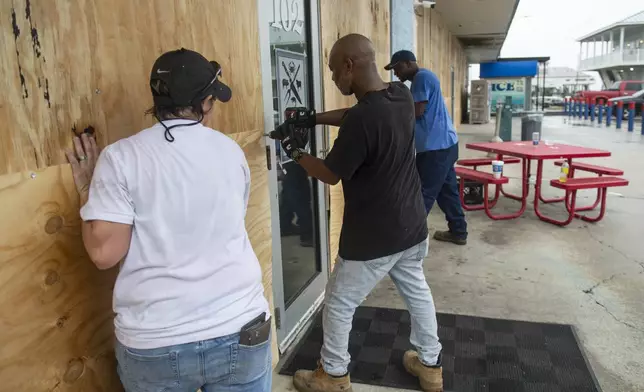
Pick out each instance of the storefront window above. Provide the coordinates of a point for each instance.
(292, 87)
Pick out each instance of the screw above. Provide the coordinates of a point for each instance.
(33, 175)
(98, 91)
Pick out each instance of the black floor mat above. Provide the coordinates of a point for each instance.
(479, 354)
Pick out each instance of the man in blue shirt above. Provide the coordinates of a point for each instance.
(436, 145)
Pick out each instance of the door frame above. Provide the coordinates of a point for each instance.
(289, 321)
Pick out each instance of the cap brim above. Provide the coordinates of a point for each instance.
(390, 66)
(221, 91)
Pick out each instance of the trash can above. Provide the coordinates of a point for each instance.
(530, 123)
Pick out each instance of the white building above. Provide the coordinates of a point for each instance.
(565, 80)
(615, 51)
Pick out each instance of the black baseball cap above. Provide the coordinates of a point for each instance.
(184, 77)
(401, 55)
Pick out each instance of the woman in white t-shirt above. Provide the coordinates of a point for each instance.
(170, 201)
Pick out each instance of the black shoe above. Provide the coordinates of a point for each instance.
(446, 236)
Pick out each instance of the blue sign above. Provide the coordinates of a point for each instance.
(501, 88)
(509, 69)
(505, 86)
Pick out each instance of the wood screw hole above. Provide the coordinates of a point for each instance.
(61, 322)
(51, 278)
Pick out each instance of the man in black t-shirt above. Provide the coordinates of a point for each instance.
(384, 228)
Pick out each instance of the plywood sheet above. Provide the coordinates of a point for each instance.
(75, 63)
(258, 215)
(55, 305)
(459, 62)
(439, 51)
(338, 18)
(69, 64)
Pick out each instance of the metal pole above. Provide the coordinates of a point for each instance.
(497, 128)
(536, 100)
(643, 119)
(543, 93)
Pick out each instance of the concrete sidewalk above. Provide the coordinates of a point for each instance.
(587, 275)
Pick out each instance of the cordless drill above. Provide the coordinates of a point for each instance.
(297, 124)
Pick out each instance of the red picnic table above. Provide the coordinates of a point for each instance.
(527, 152)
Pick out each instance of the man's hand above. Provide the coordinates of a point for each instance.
(303, 118)
(419, 108)
(83, 162)
(293, 146)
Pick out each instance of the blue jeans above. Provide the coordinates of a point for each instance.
(220, 364)
(438, 179)
(352, 281)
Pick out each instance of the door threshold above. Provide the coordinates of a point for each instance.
(295, 335)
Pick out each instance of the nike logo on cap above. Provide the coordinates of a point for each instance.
(160, 71)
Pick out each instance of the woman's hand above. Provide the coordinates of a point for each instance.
(83, 161)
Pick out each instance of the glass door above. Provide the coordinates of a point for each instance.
(290, 66)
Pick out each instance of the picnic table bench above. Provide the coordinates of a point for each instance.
(601, 170)
(572, 185)
(485, 179)
(476, 162)
(510, 152)
(587, 167)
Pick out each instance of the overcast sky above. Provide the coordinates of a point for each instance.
(551, 27)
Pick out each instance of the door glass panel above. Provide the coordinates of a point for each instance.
(292, 87)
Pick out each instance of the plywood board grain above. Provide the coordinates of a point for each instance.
(55, 305)
(439, 51)
(338, 18)
(75, 63)
(67, 65)
(258, 215)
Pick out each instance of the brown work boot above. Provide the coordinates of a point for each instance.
(431, 377)
(446, 236)
(319, 381)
